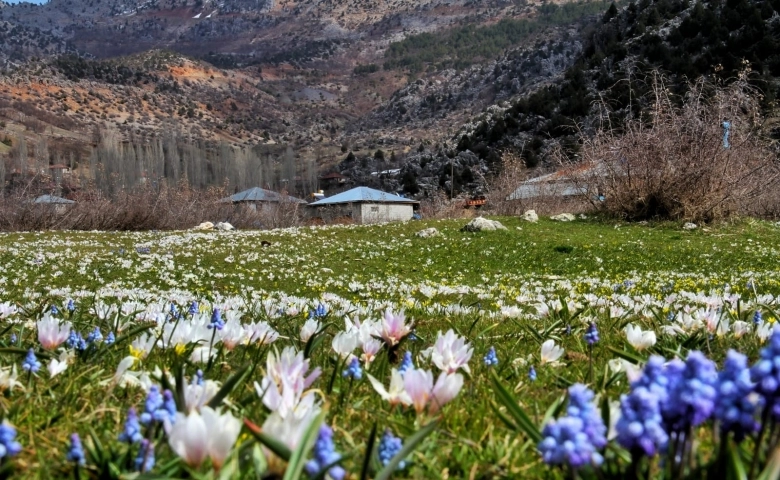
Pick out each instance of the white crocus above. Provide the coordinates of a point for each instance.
(51, 333)
(8, 376)
(189, 438)
(309, 328)
(395, 393)
(451, 352)
(551, 352)
(56, 367)
(222, 434)
(639, 339)
(344, 343)
(740, 328)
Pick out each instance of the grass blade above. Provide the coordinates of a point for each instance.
(278, 448)
(229, 385)
(520, 417)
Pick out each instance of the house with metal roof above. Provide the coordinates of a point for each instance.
(259, 196)
(365, 205)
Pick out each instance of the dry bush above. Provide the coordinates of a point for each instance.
(674, 165)
(512, 174)
(166, 207)
(440, 206)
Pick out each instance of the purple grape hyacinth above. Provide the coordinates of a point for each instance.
(640, 427)
(736, 404)
(766, 374)
(575, 439)
(324, 455)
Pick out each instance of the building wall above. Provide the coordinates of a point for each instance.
(382, 212)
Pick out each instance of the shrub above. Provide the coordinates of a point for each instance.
(673, 164)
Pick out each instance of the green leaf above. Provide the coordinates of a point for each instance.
(409, 445)
(522, 420)
(502, 416)
(369, 454)
(280, 449)
(772, 469)
(736, 467)
(230, 384)
(298, 458)
(631, 357)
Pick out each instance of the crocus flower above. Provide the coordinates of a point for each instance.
(309, 328)
(396, 393)
(189, 438)
(222, 431)
(447, 387)
(451, 352)
(393, 327)
(551, 352)
(344, 343)
(8, 378)
(52, 334)
(639, 339)
(56, 367)
(419, 386)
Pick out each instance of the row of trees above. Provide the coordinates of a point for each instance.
(115, 163)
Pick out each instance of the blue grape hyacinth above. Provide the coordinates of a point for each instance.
(592, 334)
(389, 446)
(216, 320)
(144, 461)
(736, 405)
(325, 454)
(575, 439)
(406, 363)
(532, 374)
(640, 427)
(76, 451)
(490, 358)
(353, 370)
(30, 363)
(692, 393)
(132, 429)
(9, 447)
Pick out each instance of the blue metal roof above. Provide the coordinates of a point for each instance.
(257, 194)
(362, 194)
(53, 199)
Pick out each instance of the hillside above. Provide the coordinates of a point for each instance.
(429, 93)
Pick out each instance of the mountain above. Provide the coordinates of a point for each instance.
(414, 96)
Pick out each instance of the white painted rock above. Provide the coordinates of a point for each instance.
(481, 224)
(224, 226)
(563, 217)
(690, 226)
(205, 226)
(530, 216)
(428, 232)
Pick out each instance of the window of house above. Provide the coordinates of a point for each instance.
(374, 209)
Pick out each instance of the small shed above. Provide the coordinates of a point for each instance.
(366, 205)
(257, 196)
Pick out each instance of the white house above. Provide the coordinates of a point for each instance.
(365, 205)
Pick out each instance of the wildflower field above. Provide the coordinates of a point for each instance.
(549, 350)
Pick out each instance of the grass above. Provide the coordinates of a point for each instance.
(486, 286)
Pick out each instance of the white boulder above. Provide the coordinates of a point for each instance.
(530, 216)
(224, 226)
(428, 232)
(205, 226)
(563, 217)
(482, 224)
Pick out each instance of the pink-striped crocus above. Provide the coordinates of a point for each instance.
(394, 328)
